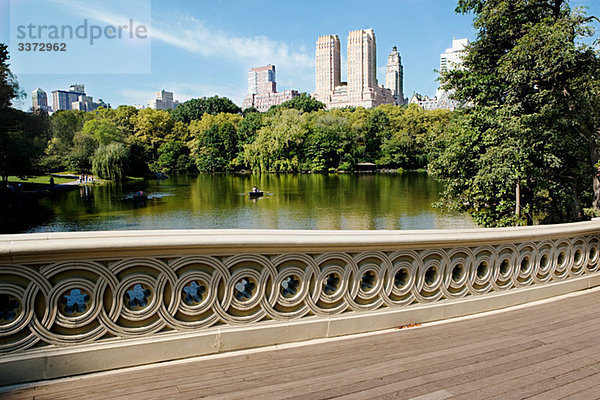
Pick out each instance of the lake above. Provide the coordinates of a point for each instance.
(369, 201)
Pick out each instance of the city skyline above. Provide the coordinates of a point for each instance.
(204, 49)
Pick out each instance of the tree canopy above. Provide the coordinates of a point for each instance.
(304, 102)
(23, 136)
(524, 148)
(194, 109)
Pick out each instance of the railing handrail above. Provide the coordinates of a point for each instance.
(60, 245)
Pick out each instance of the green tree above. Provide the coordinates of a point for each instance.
(23, 136)
(64, 124)
(80, 157)
(9, 87)
(248, 127)
(524, 150)
(278, 144)
(413, 132)
(328, 144)
(110, 161)
(152, 128)
(250, 110)
(102, 130)
(174, 156)
(218, 148)
(194, 109)
(304, 102)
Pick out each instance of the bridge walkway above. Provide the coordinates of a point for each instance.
(545, 350)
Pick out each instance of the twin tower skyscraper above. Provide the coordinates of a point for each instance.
(361, 88)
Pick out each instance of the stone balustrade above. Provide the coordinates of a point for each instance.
(147, 296)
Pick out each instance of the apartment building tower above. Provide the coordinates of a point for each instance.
(163, 101)
(328, 67)
(361, 88)
(394, 76)
(39, 100)
(262, 89)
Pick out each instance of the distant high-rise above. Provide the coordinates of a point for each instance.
(74, 99)
(328, 67)
(77, 87)
(64, 99)
(361, 89)
(262, 80)
(164, 101)
(362, 62)
(262, 89)
(452, 58)
(39, 100)
(394, 76)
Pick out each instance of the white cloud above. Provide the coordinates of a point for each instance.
(195, 36)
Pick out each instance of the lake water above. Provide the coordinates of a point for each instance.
(381, 201)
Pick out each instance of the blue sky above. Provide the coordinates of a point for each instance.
(205, 48)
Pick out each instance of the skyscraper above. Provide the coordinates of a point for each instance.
(64, 99)
(262, 80)
(361, 89)
(74, 99)
(328, 67)
(39, 100)
(362, 63)
(394, 76)
(452, 58)
(164, 101)
(262, 89)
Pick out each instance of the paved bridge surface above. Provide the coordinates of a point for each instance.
(545, 350)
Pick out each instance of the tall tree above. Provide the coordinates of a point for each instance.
(194, 109)
(9, 87)
(23, 136)
(304, 102)
(523, 150)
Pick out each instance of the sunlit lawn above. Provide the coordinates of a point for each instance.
(44, 179)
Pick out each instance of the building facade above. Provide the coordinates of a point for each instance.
(361, 88)
(64, 99)
(39, 100)
(328, 67)
(75, 99)
(262, 89)
(452, 58)
(425, 102)
(163, 101)
(262, 80)
(394, 76)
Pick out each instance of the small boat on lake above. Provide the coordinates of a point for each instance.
(139, 197)
(254, 195)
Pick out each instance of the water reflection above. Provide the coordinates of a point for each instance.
(222, 201)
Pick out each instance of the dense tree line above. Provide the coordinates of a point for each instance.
(212, 135)
(298, 136)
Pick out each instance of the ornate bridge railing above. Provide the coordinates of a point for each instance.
(139, 297)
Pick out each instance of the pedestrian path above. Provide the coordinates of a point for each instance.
(549, 350)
